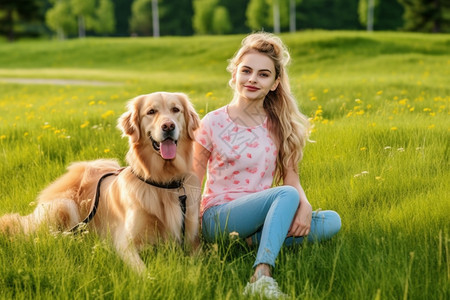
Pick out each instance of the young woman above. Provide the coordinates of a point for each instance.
(250, 145)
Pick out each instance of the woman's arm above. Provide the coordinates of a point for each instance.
(201, 157)
(301, 223)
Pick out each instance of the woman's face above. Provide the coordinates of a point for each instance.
(254, 77)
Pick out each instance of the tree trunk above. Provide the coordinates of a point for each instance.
(436, 21)
(81, 27)
(155, 18)
(9, 25)
(292, 15)
(370, 10)
(276, 16)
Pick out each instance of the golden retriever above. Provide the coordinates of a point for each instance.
(131, 209)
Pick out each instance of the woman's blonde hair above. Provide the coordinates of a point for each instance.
(286, 123)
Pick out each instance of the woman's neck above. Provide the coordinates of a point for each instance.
(247, 113)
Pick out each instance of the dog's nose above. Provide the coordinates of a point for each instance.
(168, 126)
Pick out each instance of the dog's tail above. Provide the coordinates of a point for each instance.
(61, 203)
(61, 214)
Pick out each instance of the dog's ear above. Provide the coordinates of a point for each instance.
(191, 117)
(130, 120)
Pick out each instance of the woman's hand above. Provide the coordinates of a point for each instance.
(301, 224)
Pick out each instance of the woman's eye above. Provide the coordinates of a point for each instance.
(175, 110)
(151, 112)
(264, 75)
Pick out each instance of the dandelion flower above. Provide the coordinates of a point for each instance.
(394, 128)
(107, 114)
(107, 150)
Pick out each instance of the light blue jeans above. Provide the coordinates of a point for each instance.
(266, 217)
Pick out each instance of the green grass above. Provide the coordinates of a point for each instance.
(380, 107)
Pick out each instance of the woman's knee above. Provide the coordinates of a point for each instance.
(289, 194)
(332, 222)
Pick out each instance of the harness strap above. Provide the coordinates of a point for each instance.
(91, 215)
(171, 185)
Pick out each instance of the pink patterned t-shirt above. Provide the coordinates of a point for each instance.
(242, 158)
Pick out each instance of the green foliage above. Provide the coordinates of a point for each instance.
(221, 21)
(257, 14)
(105, 22)
(60, 19)
(426, 15)
(13, 12)
(362, 10)
(203, 15)
(175, 17)
(97, 16)
(379, 104)
(141, 19)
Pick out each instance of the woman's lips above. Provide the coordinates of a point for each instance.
(251, 88)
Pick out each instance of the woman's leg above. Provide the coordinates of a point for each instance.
(324, 225)
(270, 212)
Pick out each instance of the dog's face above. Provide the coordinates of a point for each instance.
(161, 120)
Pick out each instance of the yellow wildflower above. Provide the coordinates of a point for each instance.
(107, 114)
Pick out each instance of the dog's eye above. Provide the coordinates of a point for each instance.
(151, 112)
(175, 109)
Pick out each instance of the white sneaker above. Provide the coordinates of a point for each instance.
(266, 287)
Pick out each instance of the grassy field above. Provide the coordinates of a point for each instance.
(380, 107)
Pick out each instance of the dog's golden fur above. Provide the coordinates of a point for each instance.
(132, 212)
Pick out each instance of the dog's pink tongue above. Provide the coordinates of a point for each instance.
(168, 149)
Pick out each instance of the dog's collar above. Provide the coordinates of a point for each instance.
(175, 184)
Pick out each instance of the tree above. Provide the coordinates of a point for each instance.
(141, 21)
(175, 17)
(84, 10)
(426, 15)
(236, 11)
(366, 12)
(203, 15)
(221, 21)
(268, 13)
(60, 18)
(105, 21)
(257, 14)
(14, 11)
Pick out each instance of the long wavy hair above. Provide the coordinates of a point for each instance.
(286, 123)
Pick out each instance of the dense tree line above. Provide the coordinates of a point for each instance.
(187, 17)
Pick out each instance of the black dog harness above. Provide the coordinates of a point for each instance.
(177, 184)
